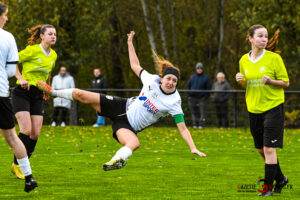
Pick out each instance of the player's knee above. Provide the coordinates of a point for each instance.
(269, 151)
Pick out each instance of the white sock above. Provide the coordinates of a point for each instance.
(25, 166)
(123, 153)
(65, 93)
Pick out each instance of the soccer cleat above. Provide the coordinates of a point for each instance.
(280, 184)
(114, 164)
(17, 171)
(44, 87)
(30, 185)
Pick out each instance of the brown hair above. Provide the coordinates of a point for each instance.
(36, 31)
(272, 43)
(163, 64)
(3, 8)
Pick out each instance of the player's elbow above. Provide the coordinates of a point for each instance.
(10, 70)
(286, 84)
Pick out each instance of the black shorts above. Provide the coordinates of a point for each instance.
(115, 108)
(267, 128)
(31, 101)
(7, 120)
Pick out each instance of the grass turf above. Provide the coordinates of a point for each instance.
(67, 164)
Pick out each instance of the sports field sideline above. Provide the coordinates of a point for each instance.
(67, 164)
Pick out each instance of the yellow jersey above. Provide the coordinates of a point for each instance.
(37, 65)
(260, 97)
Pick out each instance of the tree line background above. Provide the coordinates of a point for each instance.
(93, 33)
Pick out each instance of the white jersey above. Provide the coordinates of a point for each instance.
(8, 59)
(152, 103)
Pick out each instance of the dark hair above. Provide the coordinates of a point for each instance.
(272, 43)
(36, 31)
(3, 8)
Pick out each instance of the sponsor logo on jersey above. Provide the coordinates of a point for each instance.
(148, 104)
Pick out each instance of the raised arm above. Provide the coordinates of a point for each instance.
(134, 61)
(185, 134)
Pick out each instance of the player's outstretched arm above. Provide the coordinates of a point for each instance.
(185, 134)
(134, 61)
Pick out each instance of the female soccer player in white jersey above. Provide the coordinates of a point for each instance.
(8, 63)
(158, 98)
(38, 60)
(263, 74)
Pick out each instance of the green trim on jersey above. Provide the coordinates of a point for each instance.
(259, 97)
(36, 65)
(178, 118)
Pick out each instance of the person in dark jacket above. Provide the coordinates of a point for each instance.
(198, 81)
(99, 82)
(221, 99)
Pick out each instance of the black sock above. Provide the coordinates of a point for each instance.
(270, 173)
(25, 139)
(279, 175)
(31, 147)
(27, 178)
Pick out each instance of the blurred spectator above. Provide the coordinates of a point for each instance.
(62, 80)
(221, 99)
(198, 81)
(99, 82)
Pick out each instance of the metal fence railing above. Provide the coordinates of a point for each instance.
(81, 114)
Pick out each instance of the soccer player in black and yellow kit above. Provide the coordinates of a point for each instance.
(263, 74)
(38, 60)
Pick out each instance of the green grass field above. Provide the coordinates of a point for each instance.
(67, 164)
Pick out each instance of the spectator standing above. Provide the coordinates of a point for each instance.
(62, 80)
(198, 81)
(99, 82)
(221, 99)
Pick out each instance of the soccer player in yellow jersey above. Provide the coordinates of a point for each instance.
(38, 60)
(263, 74)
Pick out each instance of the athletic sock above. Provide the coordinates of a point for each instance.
(270, 173)
(31, 147)
(25, 139)
(123, 153)
(25, 166)
(279, 175)
(65, 93)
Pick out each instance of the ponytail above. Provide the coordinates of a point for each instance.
(163, 64)
(273, 43)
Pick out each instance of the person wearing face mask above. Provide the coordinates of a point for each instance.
(38, 59)
(221, 99)
(8, 64)
(158, 98)
(263, 74)
(62, 80)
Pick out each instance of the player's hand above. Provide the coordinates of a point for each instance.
(266, 80)
(46, 97)
(130, 36)
(239, 77)
(24, 84)
(199, 153)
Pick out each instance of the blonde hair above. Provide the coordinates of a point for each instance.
(163, 63)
